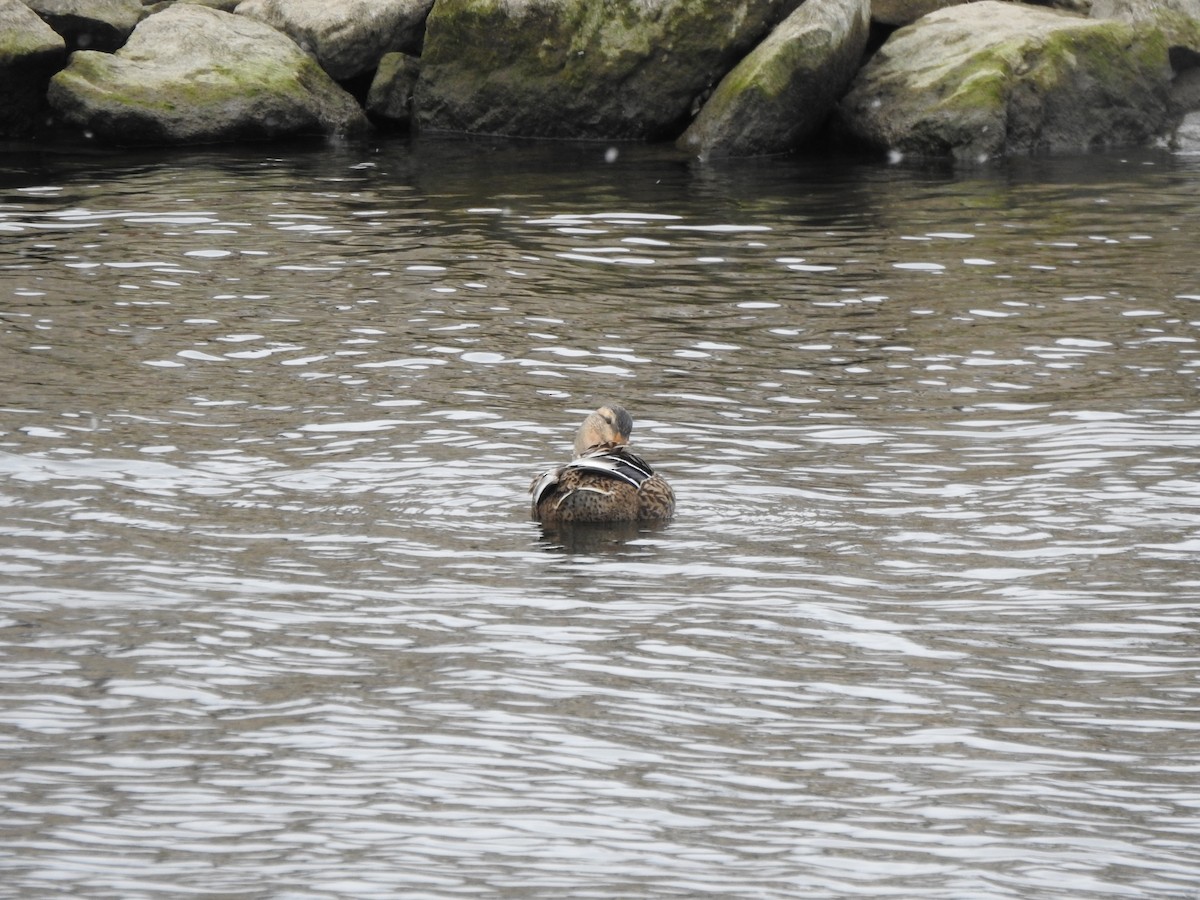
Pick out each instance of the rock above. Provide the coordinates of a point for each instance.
(160, 5)
(348, 37)
(30, 52)
(192, 74)
(390, 97)
(1080, 7)
(782, 93)
(904, 12)
(90, 24)
(617, 69)
(1185, 90)
(991, 78)
(1186, 139)
(1143, 10)
(1179, 19)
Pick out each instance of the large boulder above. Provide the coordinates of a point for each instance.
(30, 52)
(192, 74)
(781, 93)
(90, 24)
(990, 78)
(620, 69)
(347, 37)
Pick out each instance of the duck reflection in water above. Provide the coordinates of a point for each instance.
(599, 538)
(606, 482)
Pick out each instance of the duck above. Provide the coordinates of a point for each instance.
(605, 481)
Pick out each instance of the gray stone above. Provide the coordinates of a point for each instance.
(1186, 139)
(1179, 19)
(1144, 10)
(153, 6)
(989, 78)
(30, 52)
(904, 12)
(347, 37)
(390, 97)
(1079, 7)
(192, 74)
(1185, 92)
(90, 24)
(616, 69)
(781, 94)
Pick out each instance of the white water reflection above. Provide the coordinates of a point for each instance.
(274, 620)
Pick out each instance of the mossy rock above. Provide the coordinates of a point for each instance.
(782, 92)
(389, 99)
(989, 79)
(622, 69)
(190, 74)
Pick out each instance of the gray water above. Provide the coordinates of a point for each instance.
(274, 621)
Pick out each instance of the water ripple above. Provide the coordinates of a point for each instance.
(275, 620)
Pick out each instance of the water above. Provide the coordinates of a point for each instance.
(275, 623)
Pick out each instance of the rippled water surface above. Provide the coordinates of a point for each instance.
(274, 621)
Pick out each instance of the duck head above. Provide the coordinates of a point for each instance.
(607, 425)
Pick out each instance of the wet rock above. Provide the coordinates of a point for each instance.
(990, 78)
(348, 37)
(389, 99)
(618, 69)
(30, 52)
(90, 24)
(782, 93)
(193, 74)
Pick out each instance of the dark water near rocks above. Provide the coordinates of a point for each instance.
(274, 623)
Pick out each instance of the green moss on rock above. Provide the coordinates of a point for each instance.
(578, 68)
(990, 79)
(194, 74)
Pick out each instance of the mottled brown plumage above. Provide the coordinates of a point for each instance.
(606, 481)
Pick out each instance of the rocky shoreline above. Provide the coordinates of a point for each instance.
(721, 78)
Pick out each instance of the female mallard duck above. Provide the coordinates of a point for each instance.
(606, 481)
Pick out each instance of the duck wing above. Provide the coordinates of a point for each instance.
(617, 462)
